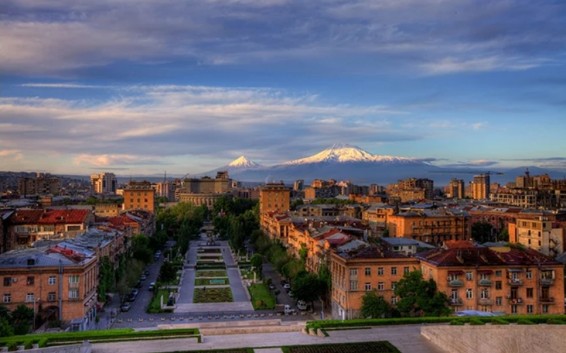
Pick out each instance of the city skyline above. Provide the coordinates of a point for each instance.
(142, 87)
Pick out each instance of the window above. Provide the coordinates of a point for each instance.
(513, 309)
(406, 269)
(469, 293)
(498, 285)
(529, 292)
(73, 293)
(353, 273)
(529, 309)
(368, 271)
(30, 280)
(393, 300)
(498, 273)
(545, 308)
(393, 270)
(29, 298)
(393, 285)
(498, 301)
(73, 279)
(367, 286)
(529, 274)
(484, 294)
(51, 297)
(469, 276)
(380, 286)
(7, 298)
(380, 271)
(7, 281)
(353, 285)
(52, 280)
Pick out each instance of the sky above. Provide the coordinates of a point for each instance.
(144, 87)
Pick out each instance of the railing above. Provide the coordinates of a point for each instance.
(456, 301)
(515, 282)
(485, 301)
(455, 283)
(547, 281)
(515, 301)
(484, 282)
(547, 300)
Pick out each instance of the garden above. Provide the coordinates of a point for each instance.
(212, 295)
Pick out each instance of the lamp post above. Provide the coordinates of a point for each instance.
(35, 301)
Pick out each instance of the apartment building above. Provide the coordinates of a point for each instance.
(27, 226)
(139, 196)
(455, 189)
(481, 187)
(205, 191)
(357, 268)
(103, 183)
(499, 279)
(411, 189)
(57, 282)
(540, 234)
(430, 225)
(274, 197)
(40, 184)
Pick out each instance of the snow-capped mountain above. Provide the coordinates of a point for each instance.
(243, 162)
(345, 153)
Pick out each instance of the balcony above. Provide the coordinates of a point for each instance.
(546, 281)
(515, 301)
(515, 282)
(73, 285)
(485, 301)
(456, 301)
(455, 283)
(547, 300)
(484, 282)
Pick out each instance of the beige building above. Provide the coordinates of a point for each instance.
(274, 197)
(205, 191)
(139, 195)
(103, 183)
(481, 187)
(539, 234)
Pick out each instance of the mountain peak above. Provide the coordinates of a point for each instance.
(242, 162)
(343, 153)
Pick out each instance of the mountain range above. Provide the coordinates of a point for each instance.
(347, 162)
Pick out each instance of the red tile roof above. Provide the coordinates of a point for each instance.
(63, 216)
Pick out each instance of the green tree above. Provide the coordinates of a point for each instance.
(168, 272)
(140, 248)
(419, 297)
(307, 286)
(107, 279)
(5, 327)
(374, 306)
(257, 262)
(482, 232)
(22, 319)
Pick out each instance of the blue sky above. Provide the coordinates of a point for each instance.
(142, 87)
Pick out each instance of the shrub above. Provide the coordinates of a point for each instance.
(554, 321)
(525, 322)
(499, 321)
(457, 322)
(476, 321)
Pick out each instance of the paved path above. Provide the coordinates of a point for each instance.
(239, 292)
(406, 338)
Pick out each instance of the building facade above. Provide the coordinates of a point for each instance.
(481, 187)
(274, 197)
(139, 196)
(103, 183)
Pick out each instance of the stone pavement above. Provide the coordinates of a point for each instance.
(406, 338)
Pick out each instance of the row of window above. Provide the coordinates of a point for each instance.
(30, 297)
(30, 280)
(380, 271)
(367, 286)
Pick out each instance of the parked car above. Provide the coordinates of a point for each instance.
(271, 286)
(146, 273)
(125, 307)
(143, 277)
(302, 305)
(287, 286)
(151, 286)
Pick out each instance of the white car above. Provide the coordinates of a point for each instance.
(302, 305)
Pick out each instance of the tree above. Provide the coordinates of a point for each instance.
(307, 286)
(419, 297)
(374, 306)
(482, 232)
(168, 272)
(140, 248)
(22, 319)
(257, 262)
(5, 327)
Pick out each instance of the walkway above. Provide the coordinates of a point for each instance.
(406, 338)
(241, 300)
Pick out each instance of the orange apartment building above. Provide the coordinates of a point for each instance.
(429, 226)
(357, 268)
(59, 282)
(539, 234)
(274, 197)
(139, 195)
(499, 279)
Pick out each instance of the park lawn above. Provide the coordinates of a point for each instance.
(212, 273)
(213, 295)
(262, 298)
(154, 306)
